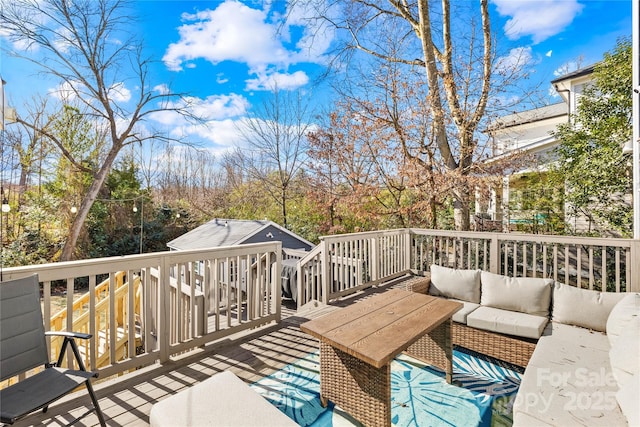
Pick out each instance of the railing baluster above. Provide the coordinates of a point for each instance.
(93, 327)
(567, 264)
(131, 322)
(111, 336)
(617, 269)
(578, 266)
(591, 271)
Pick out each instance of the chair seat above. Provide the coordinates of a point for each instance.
(39, 391)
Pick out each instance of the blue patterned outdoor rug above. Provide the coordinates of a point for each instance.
(483, 394)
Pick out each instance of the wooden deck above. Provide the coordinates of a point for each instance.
(127, 400)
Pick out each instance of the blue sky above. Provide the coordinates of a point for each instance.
(228, 54)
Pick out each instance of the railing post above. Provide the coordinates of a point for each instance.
(277, 278)
(326, 271)
(634, 286)
(300, 292)
(164, 309)
(494, 254)
(408, 236)
(375, 257)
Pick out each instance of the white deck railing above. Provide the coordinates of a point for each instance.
(344, 264)
(184, 299)
(188, 298)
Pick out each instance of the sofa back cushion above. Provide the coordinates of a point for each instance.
(624, 316)
(583, 307)
(529, 295)
(455, 283)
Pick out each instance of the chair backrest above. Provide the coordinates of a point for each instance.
(22, 342)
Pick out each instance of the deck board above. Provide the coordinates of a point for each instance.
(127, 400)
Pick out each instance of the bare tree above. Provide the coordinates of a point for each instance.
(457, 57)
(189, 177)
(28, 145)
(88, 49)
(275, 149)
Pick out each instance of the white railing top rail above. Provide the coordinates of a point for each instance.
(536, 238)
(96, 266)
(311, 254)
(364, 235)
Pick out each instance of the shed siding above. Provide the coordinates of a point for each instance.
(288, 241)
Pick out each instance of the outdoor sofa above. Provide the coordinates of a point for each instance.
(580, 348)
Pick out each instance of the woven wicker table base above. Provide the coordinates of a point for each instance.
(360, 389)
(436, 349)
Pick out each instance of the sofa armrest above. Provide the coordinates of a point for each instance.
(419, 284)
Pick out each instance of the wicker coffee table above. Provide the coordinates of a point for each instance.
(358, 343)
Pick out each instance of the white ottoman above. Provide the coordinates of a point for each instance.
(222, 400)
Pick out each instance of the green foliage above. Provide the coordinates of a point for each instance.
(39, 238)
(113, 228)
(537, 204)
(590, 160)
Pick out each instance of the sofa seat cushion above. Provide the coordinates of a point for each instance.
(571, 344)
(568, 381)
(507, 322)
(455, 283)
(583, 307)
(460, 316)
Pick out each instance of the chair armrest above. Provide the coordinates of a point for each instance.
(69, 338)
(419, 284)
(68, 334)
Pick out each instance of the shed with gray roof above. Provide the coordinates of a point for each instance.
(231, 232)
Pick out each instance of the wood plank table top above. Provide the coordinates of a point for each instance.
(379, 328)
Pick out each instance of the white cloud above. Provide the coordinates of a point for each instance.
(539, 19)
(317, 34)
(65, 91)
(283, 81)
(221, 106)
(162, 89)
(222, 135)
(567, 67)
(514, 62)
(233, 32)
(119, 93)
(215, 107)
(217, 114)
(62, 41)
(217, 136)
(258, 38)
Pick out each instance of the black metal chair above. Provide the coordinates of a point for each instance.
(23, 347)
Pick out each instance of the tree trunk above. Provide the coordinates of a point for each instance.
(69, 248)
(284, 208)
(434, 212)
(461, 211)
